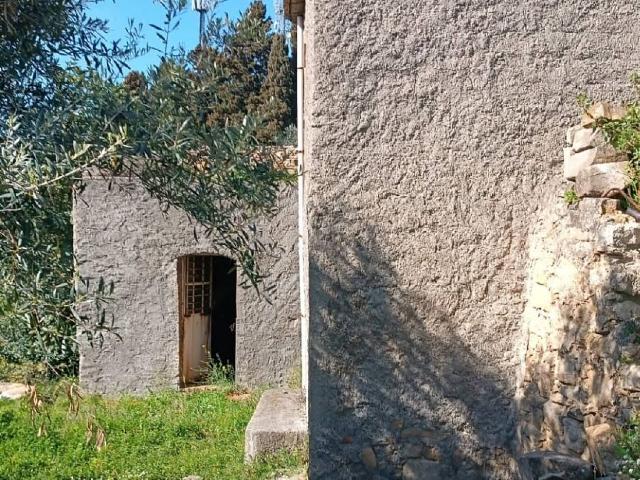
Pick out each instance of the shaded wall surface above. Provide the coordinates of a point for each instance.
(122, 235)
(433, 135)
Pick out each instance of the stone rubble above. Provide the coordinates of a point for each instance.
(580, 373)
(556, 466)
(602, 110)
(596, 180)
(587, 147)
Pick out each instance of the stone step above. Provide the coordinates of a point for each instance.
(279, 423)
(13, 391)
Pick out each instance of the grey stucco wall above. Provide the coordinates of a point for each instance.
(433, 134)
(122, 235)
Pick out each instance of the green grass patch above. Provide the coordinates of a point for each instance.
(162, 436)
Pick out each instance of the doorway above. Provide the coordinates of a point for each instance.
(207, 293)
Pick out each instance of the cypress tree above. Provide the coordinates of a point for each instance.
(241, 59)
(275, 107)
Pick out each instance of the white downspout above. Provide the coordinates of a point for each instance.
(302, 217)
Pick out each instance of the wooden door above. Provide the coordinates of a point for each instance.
(195, 293)
(196, 348)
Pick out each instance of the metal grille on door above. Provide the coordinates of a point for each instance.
(197, 286)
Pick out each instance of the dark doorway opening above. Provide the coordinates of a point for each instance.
(207, 292)
(223, 331)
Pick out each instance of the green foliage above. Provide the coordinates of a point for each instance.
(624, 135)
(236, 60)
(294, 381)
(22, 372)
(276, 92)
(251, 67)
(67, 122)
(38, 163)
(571, 197)
(583, 101)
(164, 436)
(34, 36)
(628, 449)
(219, 374)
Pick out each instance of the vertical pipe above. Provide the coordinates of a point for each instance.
(202, 19)
(302, 218)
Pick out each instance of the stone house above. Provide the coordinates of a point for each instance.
(432, 141)
(177, 298)
(437, 322)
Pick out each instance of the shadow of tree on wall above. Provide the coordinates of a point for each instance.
(389, 374)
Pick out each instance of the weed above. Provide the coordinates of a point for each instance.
(571, 197)
(219, 373)
(167, 435)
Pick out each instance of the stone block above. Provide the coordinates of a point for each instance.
(279, 423)
(553, 415)
(568, 370)
(574, 435)
(630, 378)
(598, 179)
(13, 391)
(575, 162)
(599, 386)
(368, 458)
(411, 450)
(612, 237)
(421, 469)
(610, 206)
(584, 138)
(601, 440)
(548, 465)
(540, 297)
(565, 276)
(571, 132)
(602, 110)
(594, 139)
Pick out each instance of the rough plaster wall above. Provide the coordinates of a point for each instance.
(122, 235)
(434, 134)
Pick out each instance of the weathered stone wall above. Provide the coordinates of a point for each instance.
(433, 138)
(122, 235)
(580, 369)
(580, 376)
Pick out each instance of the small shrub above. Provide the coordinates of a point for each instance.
(295, 378)
(220, 373)
(631, 331)
(571, 197)
(22, 372)
(624, 135)
(583, 101)
(628, 447)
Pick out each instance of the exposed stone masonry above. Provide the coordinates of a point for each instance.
(580, 377)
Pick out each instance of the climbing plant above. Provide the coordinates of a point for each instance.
(624, 135)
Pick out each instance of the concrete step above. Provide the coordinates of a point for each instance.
(13, 391)
(279, 423)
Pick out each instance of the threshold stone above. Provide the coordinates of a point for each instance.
(279, 423)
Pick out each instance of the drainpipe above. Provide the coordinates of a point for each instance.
(302, 217)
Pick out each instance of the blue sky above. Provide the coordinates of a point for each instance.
(118, 13)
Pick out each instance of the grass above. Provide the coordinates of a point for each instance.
(164, 436)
